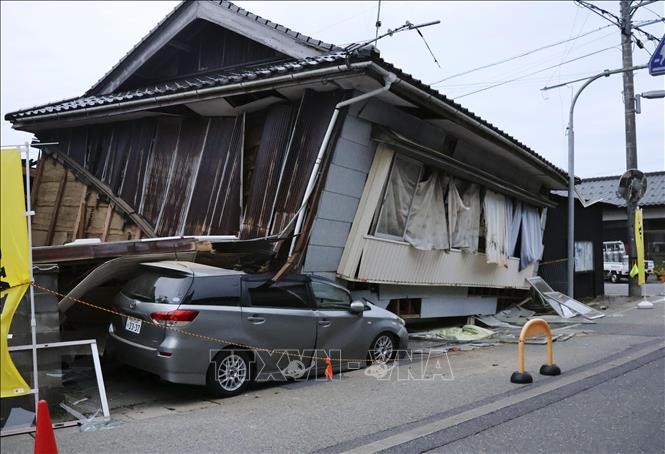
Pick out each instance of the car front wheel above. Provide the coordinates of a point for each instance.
(229, 373)
(383, 349)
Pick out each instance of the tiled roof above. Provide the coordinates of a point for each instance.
(292, 33)
(254, 72)
(199, 81)
(605, 188)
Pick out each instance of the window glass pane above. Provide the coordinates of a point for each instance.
(329, 297)
(288, 296)
(151, 286)
(217, 291)
(397, 200)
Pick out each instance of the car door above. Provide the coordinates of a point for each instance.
(341, 334)
(278, 317)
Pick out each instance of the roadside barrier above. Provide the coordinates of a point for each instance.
(44, 434)
(533, 328)
(222, 342)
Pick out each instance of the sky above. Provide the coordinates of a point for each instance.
(55, 50)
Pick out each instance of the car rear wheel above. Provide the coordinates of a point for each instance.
(382, 349)
(229, 373)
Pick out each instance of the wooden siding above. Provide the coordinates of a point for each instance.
(200, 47)
(66, 209)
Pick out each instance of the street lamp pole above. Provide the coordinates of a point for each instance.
(571, 170)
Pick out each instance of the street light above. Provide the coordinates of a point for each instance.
(571, 168)
(654, 94)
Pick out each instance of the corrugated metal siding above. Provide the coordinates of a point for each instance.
(395, 262)
(159, 163)
(221, 147)
(136, 168)
(268, 167)
(184, 175)
(181, 174)
(313, 119)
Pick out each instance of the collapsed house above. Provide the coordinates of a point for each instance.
(227, 139)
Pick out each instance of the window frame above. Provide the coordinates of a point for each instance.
(249, 284)
(336, 287)
(379, 208)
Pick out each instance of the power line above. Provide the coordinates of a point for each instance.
(617, 21)
(534, 72)
(463, 73)
(569, 47)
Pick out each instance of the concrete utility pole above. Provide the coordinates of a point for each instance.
(631, 135)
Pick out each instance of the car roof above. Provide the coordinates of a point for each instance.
(191, 268)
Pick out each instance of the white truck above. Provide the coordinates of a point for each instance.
(615, 262)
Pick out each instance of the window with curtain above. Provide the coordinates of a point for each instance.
(398, 197)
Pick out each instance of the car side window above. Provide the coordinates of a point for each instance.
(330, 297)
(286, 295)
(217, 291)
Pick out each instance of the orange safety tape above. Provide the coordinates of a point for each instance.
(224, 342)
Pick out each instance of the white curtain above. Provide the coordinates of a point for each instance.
(514, 215)
(494, 206)
(532, 237)
(399, 191)
(464, 217)
(426, 228)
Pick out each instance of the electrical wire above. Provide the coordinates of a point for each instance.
(520, 69)
(534, 72)
(569, 47)
(506, 60)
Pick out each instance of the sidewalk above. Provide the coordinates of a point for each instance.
(356, 408)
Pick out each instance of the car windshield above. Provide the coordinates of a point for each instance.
(158, 287)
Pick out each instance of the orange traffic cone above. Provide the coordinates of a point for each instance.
(329, 370)
(44, 436)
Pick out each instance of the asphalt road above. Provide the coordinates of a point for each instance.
(623, 414)
(651, 288)
(355, 410)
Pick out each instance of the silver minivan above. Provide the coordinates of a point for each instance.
(197, 324)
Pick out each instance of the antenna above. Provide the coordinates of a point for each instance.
(378, 21)
(353, 47)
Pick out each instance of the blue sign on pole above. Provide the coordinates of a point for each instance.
(657, 61)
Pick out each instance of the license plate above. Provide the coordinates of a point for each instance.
(133, 325)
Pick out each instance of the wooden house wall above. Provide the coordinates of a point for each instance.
(200, 47)
(193, 175)
(66, 209)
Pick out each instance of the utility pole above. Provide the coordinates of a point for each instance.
(631, 135)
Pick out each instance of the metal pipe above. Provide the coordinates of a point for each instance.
(571, 177)
(33, 320)
(389, 78)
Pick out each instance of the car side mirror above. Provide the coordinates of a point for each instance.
(357, 307)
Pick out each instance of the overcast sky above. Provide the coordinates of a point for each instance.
(55, 50)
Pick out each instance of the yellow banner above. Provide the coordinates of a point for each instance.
(14, 263)
(11, 382)
(14, 251)
(639, 245)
